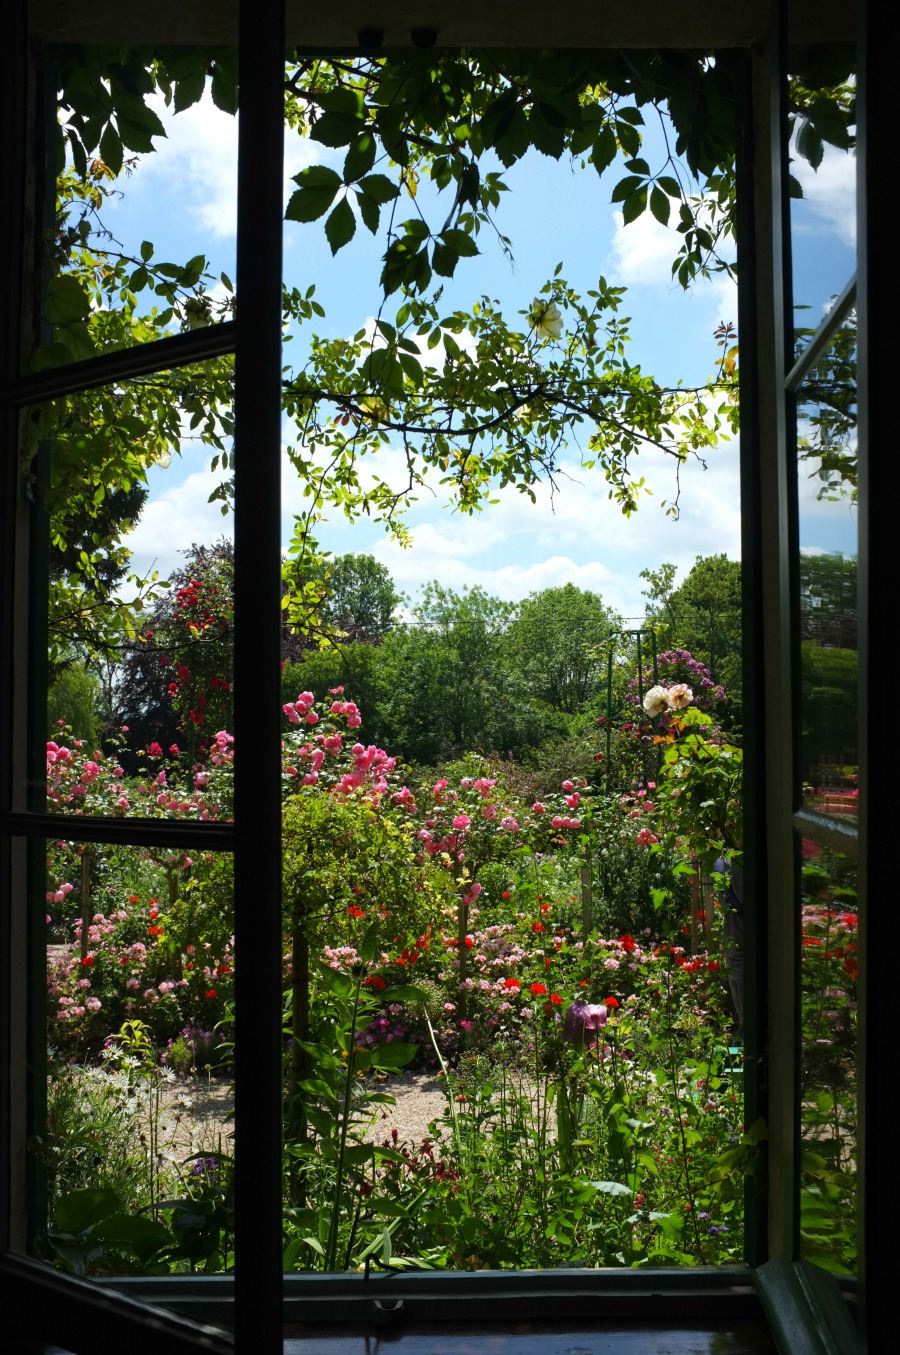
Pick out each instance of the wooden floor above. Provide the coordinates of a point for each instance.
(743, 1338)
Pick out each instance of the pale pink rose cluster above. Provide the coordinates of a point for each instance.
(677, 697)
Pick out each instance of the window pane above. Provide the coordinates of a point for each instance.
(827, 478)
(823, 171)
(828, 1107)
(141, 238)
(139, 612)
(135, 1172)
(478, 659)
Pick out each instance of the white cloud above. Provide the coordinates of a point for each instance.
(830, 193)
(174, 520)
(196, 166)
(515, 547)
(642, 252)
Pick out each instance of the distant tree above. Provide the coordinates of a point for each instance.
(74, 698)
(176, 682)
(704, 615)
(360, 598)
(552, 643)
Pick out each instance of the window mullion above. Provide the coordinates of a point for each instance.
(257, 678)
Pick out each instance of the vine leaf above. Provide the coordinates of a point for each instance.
(318, 186)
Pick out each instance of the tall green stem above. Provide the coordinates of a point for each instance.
(331, 1250)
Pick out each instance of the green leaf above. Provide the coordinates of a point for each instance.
(318, 187)
(379, 188)
(404, 992)
(190, 90)
(66, 301)
(659, 206)
(360, 157)
(111, 152)
(343, 100)
(625, 187)
(809, 144)
(369, 211)
(336, 129)
(83, 1209)
(604, 151)
(140, 1235)
(460, 242)
(444, 261)
(135, 135)
(413, 369)
(224, 88)
(146, 251)
(633, 207)
(611, 1187)
(547, 137)
(629, 138)
(394, 1055)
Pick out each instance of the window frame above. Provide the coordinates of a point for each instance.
(72, 1309)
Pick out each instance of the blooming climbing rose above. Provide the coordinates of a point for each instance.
(680, 696)
(656, 701)
(545, 319)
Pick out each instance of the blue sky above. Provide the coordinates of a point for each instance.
(183, 199)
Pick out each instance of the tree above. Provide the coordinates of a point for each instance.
(360, 599)
(828, 599)
(89, 453)
(481, 399)
(553, 640)
(73, 700)
(703, 614)
(443, 688)
(176, 682)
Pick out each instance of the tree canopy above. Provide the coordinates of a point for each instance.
(482, 399)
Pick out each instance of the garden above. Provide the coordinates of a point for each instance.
(556, 958)
(512, 836)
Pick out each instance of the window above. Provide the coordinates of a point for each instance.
(779, 817)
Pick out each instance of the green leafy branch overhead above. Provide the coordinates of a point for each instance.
(476, 400)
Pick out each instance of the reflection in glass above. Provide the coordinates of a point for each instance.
(137, 1151)
(823, 181)
(136, 252)
(139, 617)
(827, 480)
(828, 1106)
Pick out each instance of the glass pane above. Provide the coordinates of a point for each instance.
(822, 91)
(135, 1171)
(478, 660)
(828, 1106)
(827, 480)
(139, 618)
(141, 236)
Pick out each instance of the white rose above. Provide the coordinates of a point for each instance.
(545, 319)
(656, 701)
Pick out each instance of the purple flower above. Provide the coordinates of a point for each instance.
(581, 1018)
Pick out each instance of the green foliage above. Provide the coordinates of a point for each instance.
(72, 700)
(700, 788)
(553, 641)
(704, 615)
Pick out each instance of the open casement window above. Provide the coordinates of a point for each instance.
(814, 404)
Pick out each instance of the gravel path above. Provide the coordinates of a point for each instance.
(196, 1111)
